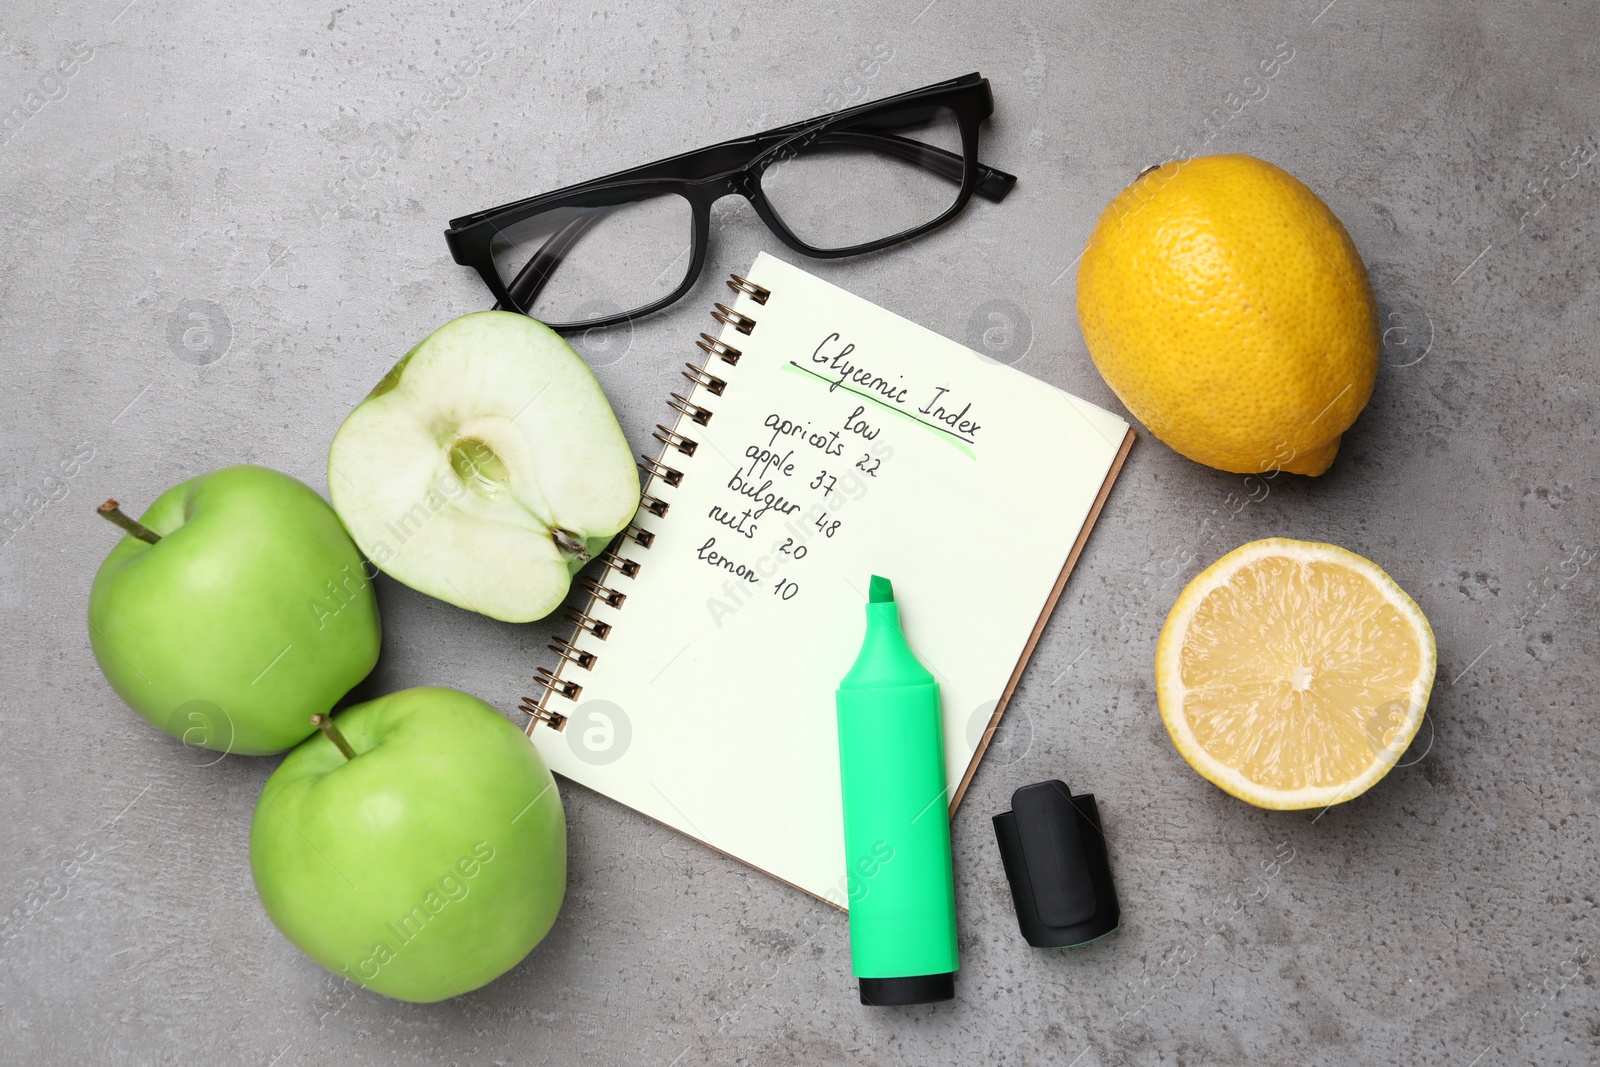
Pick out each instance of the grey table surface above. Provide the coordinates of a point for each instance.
(224, 225)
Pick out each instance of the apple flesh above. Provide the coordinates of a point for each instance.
(248, 615)
(426, 864)
(485, 468)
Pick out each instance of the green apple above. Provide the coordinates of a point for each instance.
(485, 468)
(419, 849)
(235, 608)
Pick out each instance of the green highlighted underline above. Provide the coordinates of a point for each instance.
(960, 444)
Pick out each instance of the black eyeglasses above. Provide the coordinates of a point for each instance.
(631, 243)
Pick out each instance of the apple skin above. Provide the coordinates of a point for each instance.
(428, 865)
(227, 633)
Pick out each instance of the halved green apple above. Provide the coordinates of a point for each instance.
(485, 468)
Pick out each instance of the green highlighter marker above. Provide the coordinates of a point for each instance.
(896, 818)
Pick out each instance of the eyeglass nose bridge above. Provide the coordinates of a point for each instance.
(705, 193)
(742, 182)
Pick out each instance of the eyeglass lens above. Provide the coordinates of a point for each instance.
(855, 184)
(579, 264)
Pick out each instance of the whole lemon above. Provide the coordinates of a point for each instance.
(1229, 310)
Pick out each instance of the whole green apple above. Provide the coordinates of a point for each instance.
(248, 613)
(419, 849)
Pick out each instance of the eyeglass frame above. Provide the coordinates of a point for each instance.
(734, 168)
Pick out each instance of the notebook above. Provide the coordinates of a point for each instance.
(821, 440)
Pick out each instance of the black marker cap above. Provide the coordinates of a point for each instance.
(1055, 858)
(915, 989)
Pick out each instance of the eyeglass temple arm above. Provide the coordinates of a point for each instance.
(992, 184)
(532, 278)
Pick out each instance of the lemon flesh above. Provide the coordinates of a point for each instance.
(1226, 306)
(1294, 674)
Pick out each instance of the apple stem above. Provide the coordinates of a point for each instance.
(112, 511)
(325, 724)
(570, 543)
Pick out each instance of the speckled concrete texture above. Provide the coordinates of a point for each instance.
(222, 224)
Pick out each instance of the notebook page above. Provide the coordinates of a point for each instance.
(848, 442)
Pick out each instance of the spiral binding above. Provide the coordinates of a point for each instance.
(553, 719)
(713, 346)
(674, 439)
(683, 406)
(584, 621)
(611, 598)
(739, 284)
(729, 317)
(626, 567)
(572, 653)
(553, 683)
(659, 471)
(698, 376)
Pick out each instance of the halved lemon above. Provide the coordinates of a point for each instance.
(1294, 674)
